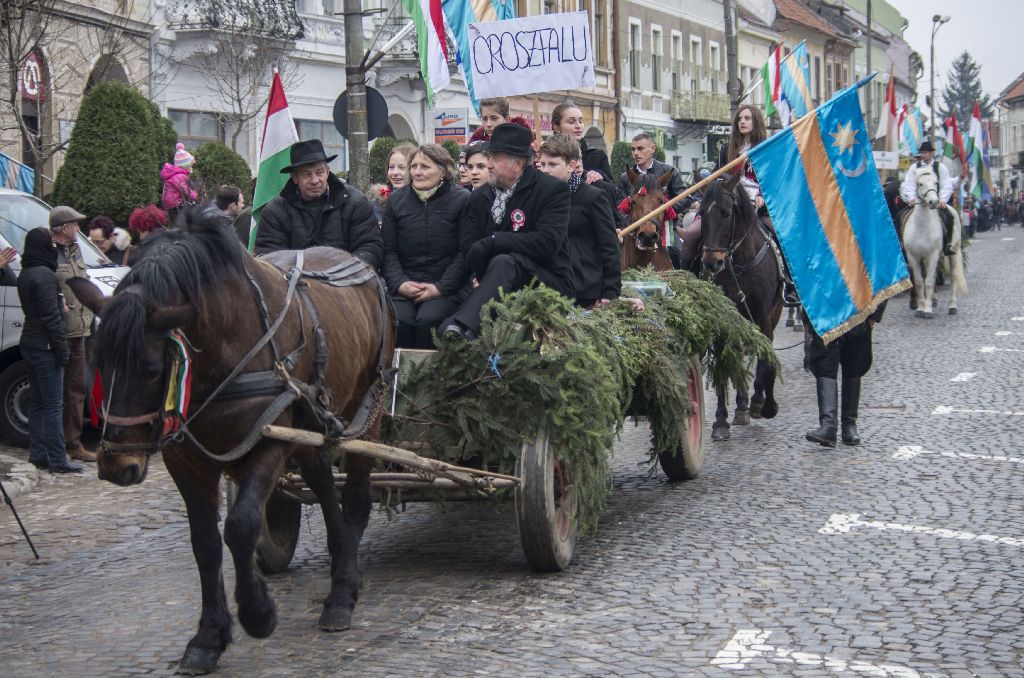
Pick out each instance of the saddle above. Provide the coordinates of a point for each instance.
(946, 216)
(326, 265)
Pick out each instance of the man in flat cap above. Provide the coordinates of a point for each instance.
(521, 222)
(65, 224)
(317, 208)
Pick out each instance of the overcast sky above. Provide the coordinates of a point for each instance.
(991, 30)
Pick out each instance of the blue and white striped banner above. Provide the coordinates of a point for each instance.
(15, 175)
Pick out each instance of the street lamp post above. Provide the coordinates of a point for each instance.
(937, 22)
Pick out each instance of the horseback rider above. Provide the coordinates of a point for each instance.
(644, 162)
(908, 190)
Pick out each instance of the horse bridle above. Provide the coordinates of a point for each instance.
(730, 265)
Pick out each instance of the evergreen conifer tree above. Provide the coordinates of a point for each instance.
(963, 89)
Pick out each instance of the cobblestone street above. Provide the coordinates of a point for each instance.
(901, 557)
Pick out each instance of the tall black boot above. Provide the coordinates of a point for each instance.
(828, 395)
(851, 401)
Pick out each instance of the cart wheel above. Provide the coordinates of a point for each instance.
(279, 533)
(545, 506)
(687, 462)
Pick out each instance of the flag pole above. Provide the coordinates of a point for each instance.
(688, 192)
(760, 80)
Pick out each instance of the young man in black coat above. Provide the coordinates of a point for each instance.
(521, 223)
(593, 247)
(317, 208)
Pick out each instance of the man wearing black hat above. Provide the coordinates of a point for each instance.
(316, 208)
(908, 190)
(522, 222)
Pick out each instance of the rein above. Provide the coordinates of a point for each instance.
(737, 270)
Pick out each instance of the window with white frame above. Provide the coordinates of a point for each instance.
(635, 45)
(713, 66)
(196, 128)
(696, 62)
(676, 67)
(657, 54)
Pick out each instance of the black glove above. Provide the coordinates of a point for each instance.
(479, 255)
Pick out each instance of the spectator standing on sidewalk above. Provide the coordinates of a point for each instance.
(64, 225)
(45, 348)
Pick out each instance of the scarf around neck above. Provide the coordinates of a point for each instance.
(575, 181)
(429, 193)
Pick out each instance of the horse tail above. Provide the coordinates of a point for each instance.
(959, 278)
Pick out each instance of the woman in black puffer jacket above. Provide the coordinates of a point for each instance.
(44, 346)
(424, 270)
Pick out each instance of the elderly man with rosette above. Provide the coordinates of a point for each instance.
(316, 208)
(908, 190)
(521, 222)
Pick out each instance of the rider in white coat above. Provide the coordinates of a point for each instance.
(908, 190)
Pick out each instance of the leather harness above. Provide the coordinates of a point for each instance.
(279, 381)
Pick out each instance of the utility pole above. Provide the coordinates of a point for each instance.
(871, 88)
(733, 84)
(355, 84)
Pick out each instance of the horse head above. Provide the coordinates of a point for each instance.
(140, 354)
(927, 187)
(648, 193)
(726, 215)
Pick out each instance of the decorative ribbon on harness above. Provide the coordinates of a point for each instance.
(668, 233)
(96, 400)
(179, 385)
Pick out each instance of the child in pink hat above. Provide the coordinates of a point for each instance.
(177, 191)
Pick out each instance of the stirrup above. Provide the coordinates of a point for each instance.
(790, 299)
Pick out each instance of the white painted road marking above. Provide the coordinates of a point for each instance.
(911, 451)
(946, 409)
(1007, 239)
(1018, 318)
(964, 376)
(1006, 333)
(993, 349)
(749, 644)
(841, 523)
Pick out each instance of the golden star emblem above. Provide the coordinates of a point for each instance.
(845, 137)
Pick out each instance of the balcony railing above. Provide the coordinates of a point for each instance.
(700, 106)
(270, 18)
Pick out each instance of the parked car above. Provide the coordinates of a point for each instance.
(20, 213)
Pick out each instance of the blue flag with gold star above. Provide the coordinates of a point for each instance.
(824, 195)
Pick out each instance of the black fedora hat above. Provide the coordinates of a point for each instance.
(512, 139)
(306, 153)
(926, 146)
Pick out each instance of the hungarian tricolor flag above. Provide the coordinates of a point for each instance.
(953, 148)
(771, 80)
(428, 17)
(888, 118)
(278, 136)
(980, 185)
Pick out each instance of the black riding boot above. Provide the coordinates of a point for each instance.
(851, 401)
(828, 394)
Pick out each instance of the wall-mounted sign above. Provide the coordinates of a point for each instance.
(33, 78)
(451, 124)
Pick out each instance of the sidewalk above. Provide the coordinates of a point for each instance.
(18, 475)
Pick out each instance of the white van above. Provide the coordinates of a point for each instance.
(19, 214)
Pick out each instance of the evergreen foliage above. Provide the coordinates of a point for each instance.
(453, 150)
(541, 362)
(379, 154)
(216, 165)
(963, 90)
(112, 164)
(164, 136)
(659, 154)
(620, 158)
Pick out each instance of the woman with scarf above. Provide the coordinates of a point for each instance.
(44, 346)
(593, 247)
(422, 228)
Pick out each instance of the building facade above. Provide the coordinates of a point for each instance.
(1011, 136)
(69, 49)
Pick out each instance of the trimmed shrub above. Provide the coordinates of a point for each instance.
(453, 150)
(659, 154)
(216, 165)
(112, 165)
(379, 154)
(621, 158)
(164, 136)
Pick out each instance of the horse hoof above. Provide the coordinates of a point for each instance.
(335, 618)
(913, 304)
(928, 315)
(741, 418)
(798, 327)
(756, 411)
(720, 434)
(789, 322)
(953, 311)
(769, 409)
(258, 623)
(919, 314)
(198, 661)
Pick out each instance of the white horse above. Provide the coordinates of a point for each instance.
(922, 241)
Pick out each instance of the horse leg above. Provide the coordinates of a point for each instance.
(741, 417)
(201, 492)
(257, 478)
(766, 379)
(318, 471)
(757, 398)
(931, 267)
(720, 429)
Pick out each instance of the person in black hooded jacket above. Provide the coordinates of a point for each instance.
(316, 208)
(44, 346)
(423, 228)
